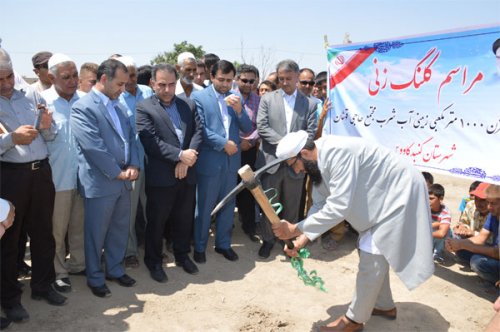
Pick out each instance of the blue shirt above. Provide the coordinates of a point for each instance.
(62, 150)
(491, 225)
(129, 102)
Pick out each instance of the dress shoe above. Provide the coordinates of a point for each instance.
(265, 249)
(62, 285)
(389, 314)
(24, 270)
(228, 254)
(51, 296)
(100, 291)
(125, 280)
(342, 324)
(4, 323)
(158, 274)
(79, 273)
(188, 266)
(16, 313)
(131, 262)
(199, 257)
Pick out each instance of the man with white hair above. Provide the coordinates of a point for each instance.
(133, 94)
(186, 67)
(68, 204)
(27, 183)
(384, 198)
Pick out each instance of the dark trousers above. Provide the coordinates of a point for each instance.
(32, 193)
(171, 207)
(245, 200)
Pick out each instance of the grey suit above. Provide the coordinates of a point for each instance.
(272, 127)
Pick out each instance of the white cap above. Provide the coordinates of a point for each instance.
(128, 61)
(291, 144)
(5, 62)
(57, 59)
(4, 209)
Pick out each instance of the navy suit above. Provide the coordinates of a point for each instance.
(170, 201)
(216, 171)
(101, 158)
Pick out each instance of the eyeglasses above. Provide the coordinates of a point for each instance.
(311, 83)
(244, 80)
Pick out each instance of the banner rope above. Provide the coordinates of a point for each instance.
(309, 279)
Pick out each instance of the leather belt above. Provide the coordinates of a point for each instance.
(33, 165)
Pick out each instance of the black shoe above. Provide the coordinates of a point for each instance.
(4, 323)
(16, 313)
(188, 266)
(158, 274)
(23, 270)
(62, 285)
(252, 236)
(199, 257)
(125, 280)
(229, 254)
(265, 249)
(100, 291)
(80, 273)
(51, 296)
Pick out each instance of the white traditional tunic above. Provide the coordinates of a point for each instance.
(378, 193)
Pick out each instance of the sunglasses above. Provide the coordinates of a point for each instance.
(244, 80)
(311, 83)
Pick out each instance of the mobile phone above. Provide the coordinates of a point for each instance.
(38, 117)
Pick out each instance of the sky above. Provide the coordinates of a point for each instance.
(259, 32)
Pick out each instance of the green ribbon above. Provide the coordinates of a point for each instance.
(309, 279)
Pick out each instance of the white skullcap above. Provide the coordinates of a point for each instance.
(5, 62)
(184, 56)
(291, 144)
(128, 61)
(4, 209)
(58, 58)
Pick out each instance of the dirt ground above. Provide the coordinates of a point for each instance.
(265, 295)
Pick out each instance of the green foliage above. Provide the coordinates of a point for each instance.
(171, 57)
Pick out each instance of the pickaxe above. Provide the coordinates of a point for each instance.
(250, 181)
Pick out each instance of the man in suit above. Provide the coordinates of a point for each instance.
(222, 117)
(280, 112)
(107, 163)
(170, 134)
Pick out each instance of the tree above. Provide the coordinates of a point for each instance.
(171, 57)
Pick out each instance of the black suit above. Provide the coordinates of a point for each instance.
(169, 200)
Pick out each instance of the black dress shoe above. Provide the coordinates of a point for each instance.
(229, 254)
(62, 285)
(199, 257)
(16, 313)
(188, 266)
(100, 291)
(158, 274)
(4, 323)
(125, 280)
(51, 296)
(265, 249)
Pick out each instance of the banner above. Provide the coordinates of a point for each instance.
(433, 99)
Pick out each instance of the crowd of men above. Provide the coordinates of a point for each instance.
(99, 160)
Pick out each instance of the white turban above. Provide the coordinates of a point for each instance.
(291, 144)
(5, 62)
(57, 59)
(184, 56)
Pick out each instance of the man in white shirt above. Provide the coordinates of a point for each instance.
(384, 198)
(186, 67)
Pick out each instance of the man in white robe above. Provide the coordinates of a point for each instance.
(383, 197)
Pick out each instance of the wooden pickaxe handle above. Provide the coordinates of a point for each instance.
(247, 176)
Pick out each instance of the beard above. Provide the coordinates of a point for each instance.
(187, 80)
(313, 171)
